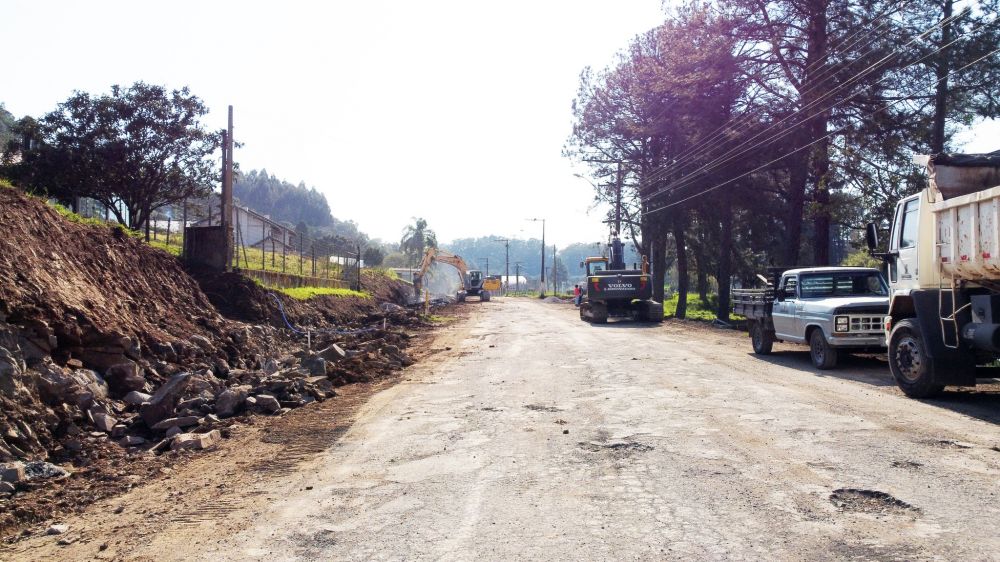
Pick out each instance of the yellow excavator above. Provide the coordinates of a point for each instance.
(474, 284)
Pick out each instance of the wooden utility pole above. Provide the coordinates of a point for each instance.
(227, 191)
(618, 202)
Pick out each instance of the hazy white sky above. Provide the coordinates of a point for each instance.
(452, 110)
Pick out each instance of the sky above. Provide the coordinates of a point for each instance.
(453, 111)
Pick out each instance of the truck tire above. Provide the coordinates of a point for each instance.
(484, 296)
(823, 356)
(761, 339)
(599, 312)
(909, 363)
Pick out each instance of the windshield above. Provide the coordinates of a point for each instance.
(594, 267)
(475, 276)
(843, 284)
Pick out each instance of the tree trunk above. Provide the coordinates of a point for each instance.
(941, 69)
(816, 57)
(658, 262)
(796, 204)
(682, 269)
(725, 257)
(821, 197)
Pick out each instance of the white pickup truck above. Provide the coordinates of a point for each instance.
(944, 275)
(831, 309)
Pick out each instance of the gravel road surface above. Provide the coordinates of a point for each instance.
(537, 436)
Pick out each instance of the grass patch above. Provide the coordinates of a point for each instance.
(306, 293)
(436, 319)
(696, 309)
(73, 217)
(386, 272)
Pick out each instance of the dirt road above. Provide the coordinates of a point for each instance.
(537, 436)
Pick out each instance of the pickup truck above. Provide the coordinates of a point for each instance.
(831, 309)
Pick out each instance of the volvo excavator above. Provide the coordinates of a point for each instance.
(474, 284)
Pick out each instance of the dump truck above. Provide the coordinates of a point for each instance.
(830, 309)
(612, 291)
(943, 258)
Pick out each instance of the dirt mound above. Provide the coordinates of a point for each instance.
(90, 287)
(110, 350)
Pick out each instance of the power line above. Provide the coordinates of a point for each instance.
(763, 166)
(743, 149)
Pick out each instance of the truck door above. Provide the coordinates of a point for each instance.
(784, 309)
(903, 268)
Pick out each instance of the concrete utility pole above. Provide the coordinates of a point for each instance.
(227, 191)
(506, 261)
(541, 282)
(487, 258)
(517, 277)
(555, 275)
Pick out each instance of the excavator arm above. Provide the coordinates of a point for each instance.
(432, 255)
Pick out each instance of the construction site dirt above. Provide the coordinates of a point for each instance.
(522, 433)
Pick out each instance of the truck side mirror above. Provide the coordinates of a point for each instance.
(871, 236)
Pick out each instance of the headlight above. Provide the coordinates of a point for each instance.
(842, 324)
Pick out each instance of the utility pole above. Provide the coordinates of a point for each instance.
(487, 258)
(517, 277)
(618, 202)
(227, 191)
(542, 281)
(555, 275)
(506, 261)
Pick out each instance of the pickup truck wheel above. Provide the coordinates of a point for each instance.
(823, 356)
(761, 339)
(909, 363)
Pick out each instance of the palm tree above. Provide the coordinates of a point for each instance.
(417, 238)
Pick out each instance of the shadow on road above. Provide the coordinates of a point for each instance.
(981, 402)
(620, 324)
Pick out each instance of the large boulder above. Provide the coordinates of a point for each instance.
(231, 400)
(125, 377)
(79, 387)
(165, 399)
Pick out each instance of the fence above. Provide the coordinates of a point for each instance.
(264, 249)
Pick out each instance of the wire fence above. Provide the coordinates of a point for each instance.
(275, 254)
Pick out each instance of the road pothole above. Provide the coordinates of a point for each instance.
(949, 444)
(542, 408)
(869, 501)
(618, 448)
(913, 465)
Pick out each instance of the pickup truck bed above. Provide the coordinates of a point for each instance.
(753, 304)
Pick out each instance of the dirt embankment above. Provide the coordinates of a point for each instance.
(111, 354)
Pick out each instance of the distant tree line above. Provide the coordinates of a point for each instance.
(749, 133)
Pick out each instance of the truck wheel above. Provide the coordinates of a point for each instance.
(599, 313)
(909, 363)
(823, 356)
(761, 339)
(484, 296)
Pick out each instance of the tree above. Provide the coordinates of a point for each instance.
(416, 239)
(373, 256)
(134, 150)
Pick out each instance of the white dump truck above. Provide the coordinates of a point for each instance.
(943, 260)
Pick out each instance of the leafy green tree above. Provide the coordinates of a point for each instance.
(134, 150)
(416, 239)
